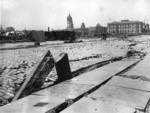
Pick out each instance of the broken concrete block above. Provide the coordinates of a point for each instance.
(37, 76)
(63, 67)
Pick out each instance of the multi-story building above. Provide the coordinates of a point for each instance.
(97, 31)
(125, 27)
(91, 31)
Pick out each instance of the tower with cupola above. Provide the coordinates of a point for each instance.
(69, 22)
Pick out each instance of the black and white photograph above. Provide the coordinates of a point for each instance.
(74, 56)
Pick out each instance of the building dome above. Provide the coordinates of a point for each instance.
(69, 17)
(98, 25)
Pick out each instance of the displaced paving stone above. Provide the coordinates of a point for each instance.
(7, 97)
(18, 81)
(3, 91)
(2, 94)
(12, 85)
(11, 89)
(4, 88)
(7, 86)
(3, 100)
(13, 78)
(9, 94)
(1, 83)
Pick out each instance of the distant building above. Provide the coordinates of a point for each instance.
(10, 29)
(69, 22)
(91, 31)
(147, 27)
(97, 31)
(20, 33)
(125, 27)
(84, 31)
(83, 26)
(100, 30)
(1, 29)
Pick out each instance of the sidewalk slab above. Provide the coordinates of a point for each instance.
(110, 99)
(66, 90)
(50, 97)
(100, 75)
(141, 69)
(135, 84)
(29, 104)
(122, 96)
(88, 105)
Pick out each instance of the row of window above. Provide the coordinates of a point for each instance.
(126, 28)
(122, 28)
(129, 25)
(124, 31)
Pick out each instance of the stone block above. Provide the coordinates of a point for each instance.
(37, 77)
(63, 67)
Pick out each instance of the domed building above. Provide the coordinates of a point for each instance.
(69, 22)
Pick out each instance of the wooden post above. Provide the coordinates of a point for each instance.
(37, 76)
(63, 67)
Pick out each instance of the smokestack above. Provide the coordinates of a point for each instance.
(48, 29)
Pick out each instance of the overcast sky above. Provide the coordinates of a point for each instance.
(39, 14)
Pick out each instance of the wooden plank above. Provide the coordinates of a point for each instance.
(37, 76)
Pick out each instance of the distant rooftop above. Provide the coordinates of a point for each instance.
(124, 21)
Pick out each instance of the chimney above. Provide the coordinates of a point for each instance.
(48, 29)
